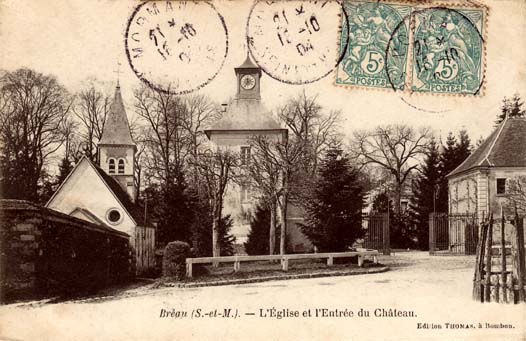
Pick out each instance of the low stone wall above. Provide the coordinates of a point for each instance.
(46, 253)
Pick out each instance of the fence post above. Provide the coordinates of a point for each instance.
(503, 257)
(519, 268)
(386, 236)
(432, 237)
(487, 274)
(478, 287)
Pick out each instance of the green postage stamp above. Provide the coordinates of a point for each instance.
(397, 46)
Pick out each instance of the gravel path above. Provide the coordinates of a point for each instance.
(418, 292)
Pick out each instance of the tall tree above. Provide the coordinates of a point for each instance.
(334, 212)
(315, 128)
(91, 109)
(455, 152)
(425, 194)
(511, 107)
(286, 156)
(395, 148)
(217, 169)
(32, 110)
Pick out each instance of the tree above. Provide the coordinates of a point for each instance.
(516, 193)
(33, 107)
(217, 170)
(316, 129)
(91, 109)
(511, 107)
(282, 158)
(169, 142)
(425, 194)
(395, 148)
(334, 212)
(257, 240)
(455, 152)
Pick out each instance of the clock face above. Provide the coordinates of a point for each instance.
(248, 82)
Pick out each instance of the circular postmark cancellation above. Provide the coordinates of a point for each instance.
(448, 51)
(176, 46)
(294, 41)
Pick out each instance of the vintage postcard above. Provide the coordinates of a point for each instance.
(262, 170)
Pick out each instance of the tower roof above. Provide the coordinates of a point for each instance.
(505, 147)
(248, 64)
(245, 115)
(116, 128)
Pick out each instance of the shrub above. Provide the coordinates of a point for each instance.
(174, 259)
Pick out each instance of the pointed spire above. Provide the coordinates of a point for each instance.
(116, 128)
(247, 65)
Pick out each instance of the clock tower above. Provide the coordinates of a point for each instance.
(248, 80)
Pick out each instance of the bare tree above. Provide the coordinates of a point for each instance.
(199, 113)
(217, 169)
(309, 123)
(283, 156)
(33, 107)
(91, 108)
(516, 193)
(395, 148)
(165, 139)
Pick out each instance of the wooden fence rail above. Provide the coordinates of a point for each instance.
(283, 258)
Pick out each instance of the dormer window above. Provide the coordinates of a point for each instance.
(121, 166)
(111, 166)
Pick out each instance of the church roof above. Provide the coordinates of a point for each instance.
(505, 147)
(245, 115)
(116, 128)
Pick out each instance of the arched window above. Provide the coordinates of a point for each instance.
(111, 166)
(121, 166)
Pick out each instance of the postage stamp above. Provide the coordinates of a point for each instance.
(293, 41)
(377, 48)
(176, 46)
(448, 51)
(413, 48)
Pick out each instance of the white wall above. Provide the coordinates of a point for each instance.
(84, 188)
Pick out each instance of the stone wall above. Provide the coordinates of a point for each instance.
(47, 253)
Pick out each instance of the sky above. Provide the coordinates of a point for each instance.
(78, 40)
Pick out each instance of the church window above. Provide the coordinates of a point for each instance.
(501, 186)
(111, 166)
(245, 155)
(121, 166)
(114, 216)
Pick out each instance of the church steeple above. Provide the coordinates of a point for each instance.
(248, 80)
(116, 128)
(116, 146)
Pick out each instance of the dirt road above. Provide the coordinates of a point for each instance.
(421, 296)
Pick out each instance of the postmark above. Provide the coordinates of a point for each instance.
(293, 41)
(368, 62)
(448, 51)
(430, 49)
(176, 46)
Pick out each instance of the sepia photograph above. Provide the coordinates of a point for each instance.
(262, 170)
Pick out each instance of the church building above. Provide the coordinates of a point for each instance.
(105, 193)
(243, 118)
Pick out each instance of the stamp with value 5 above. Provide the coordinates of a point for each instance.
(377, 49)
(448, 52)
(413, 48)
